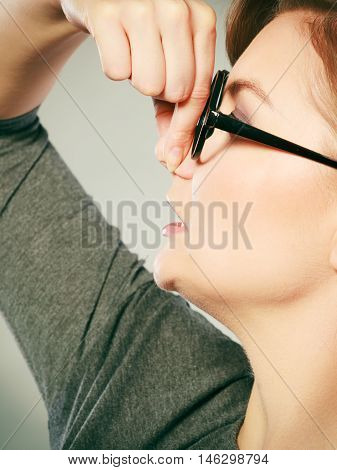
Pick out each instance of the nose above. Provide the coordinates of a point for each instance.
(187, 167)
(211, 148)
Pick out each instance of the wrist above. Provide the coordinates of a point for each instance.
(72, 12)
(52, 12)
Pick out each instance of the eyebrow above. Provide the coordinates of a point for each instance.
(251, 85)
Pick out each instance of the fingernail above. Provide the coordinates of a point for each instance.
(174, 159)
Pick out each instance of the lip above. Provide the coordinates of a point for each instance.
(181, 220)
(173, 229)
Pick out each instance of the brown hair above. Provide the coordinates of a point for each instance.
(246, 18)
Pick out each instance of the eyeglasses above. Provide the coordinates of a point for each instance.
(211, 118)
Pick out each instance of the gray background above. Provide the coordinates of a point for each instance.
(90, 118)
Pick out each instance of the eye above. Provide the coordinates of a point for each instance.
(233, 116)
(236, 114)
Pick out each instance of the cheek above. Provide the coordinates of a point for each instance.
(281, 240)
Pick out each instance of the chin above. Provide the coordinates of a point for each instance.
(174, 271)
(170, 268)
(165, 270)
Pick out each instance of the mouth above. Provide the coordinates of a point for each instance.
(174, 227)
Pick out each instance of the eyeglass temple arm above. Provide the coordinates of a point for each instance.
(226, 123)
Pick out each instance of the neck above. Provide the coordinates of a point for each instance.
(292, 350)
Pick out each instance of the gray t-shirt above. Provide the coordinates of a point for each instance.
(119, 362)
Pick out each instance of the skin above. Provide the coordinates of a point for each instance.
(287, 283)
(174, 65)
(279, 298)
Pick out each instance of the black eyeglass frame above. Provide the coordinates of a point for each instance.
(211, 118)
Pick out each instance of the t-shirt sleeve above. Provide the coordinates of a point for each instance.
(120, 363)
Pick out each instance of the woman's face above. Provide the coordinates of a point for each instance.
(282, 249)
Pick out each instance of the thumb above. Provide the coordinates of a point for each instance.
(180, 134)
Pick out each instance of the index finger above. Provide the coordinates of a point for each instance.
(185, 117)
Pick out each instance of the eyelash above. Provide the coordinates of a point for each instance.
(245, 121)
(233, 116)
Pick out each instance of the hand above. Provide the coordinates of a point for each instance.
(167, 50)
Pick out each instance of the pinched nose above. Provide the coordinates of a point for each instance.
(187, 168)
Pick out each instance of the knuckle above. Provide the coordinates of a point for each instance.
(140, 9)
(177, 10)
(176, 95)
(208, 18)
(147, 89)
(200, 92)
(107, 70)
(114, 72)
(103, 9)
(180, 137)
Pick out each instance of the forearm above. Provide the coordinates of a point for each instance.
(36, 41)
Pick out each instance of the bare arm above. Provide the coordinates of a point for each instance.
(36, 41)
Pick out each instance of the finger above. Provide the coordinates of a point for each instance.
(163, 111)
(186, 115)
(113, 46)
(147, 56)
(174, 24)
(163, 114)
